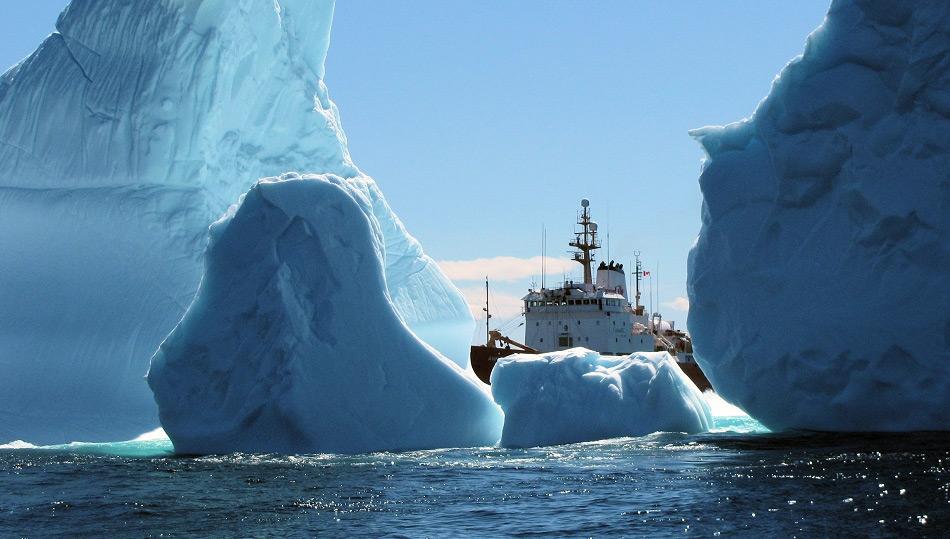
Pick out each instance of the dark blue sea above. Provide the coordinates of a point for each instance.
(738, 480)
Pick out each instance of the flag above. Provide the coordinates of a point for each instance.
(646, 273)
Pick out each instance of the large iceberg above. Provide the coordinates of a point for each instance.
(818, 287)
(577, 395)
(127, 132)
(293, 343)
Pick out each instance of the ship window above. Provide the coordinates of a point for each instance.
(541, 339)
(587, 339)
(598, 322)
(565, 327)
(564, 341)
(537, 323)
(578, 322)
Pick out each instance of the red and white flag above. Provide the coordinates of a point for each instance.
(646, 273)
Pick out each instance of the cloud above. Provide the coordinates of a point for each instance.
(678, 304)
(504, 268)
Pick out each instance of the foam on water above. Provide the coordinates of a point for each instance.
(151, 444)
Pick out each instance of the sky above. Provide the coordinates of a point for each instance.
(483, 121)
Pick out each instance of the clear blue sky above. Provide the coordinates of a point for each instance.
(481, 120)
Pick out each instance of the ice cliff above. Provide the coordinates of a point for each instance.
(294, 345)
(818, 287)
(577, 395)
(127, 132)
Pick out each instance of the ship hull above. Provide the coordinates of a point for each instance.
(483, 360)
(694, 373)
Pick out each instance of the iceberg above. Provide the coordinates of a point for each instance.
(122, 138)
(294, 345)
(820, 272)
(577, 395)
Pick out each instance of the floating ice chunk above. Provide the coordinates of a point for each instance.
(577, 395)
(293, 343)
(818, 287)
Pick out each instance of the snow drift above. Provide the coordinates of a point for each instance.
(577, 395)
(293, 343)
(127, 132)
(820, 272)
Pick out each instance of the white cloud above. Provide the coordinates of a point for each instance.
(678, 304)
(504, 268)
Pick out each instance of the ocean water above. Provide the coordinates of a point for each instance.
(739, 479)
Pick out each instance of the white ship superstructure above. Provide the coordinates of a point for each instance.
(595, 314)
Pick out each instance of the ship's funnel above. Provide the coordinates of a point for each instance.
(612, 278)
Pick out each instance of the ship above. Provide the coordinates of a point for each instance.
(596, 314)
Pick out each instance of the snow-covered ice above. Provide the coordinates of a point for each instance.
(127, 132)
(818, 287)
(577, 395)
(293, 343)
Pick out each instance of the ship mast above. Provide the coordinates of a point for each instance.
(638, 272)
(585, 241)
(488, 341)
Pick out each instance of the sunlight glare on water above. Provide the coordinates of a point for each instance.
(738, 478)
